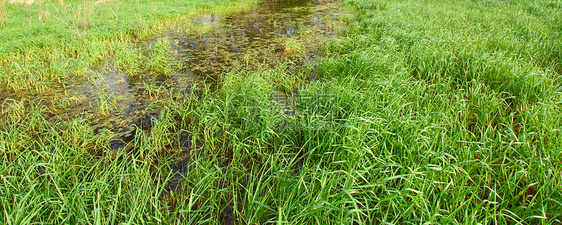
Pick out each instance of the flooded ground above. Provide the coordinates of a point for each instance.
(275, 32)
(271, 34)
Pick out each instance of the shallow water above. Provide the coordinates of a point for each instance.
(265, 36)
(274, 32)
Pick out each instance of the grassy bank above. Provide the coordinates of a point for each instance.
(423, 111)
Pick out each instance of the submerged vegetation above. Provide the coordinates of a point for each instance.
(417, 111)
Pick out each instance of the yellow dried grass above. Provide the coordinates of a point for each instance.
(27, 2)
(3, 14)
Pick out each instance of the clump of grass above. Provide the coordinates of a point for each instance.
(159, 60)
(250, 57)
(294, 47)
(105, 104)
(130, 60)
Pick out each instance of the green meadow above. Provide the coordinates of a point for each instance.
(417, 112)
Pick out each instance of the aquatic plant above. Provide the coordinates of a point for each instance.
(293, 47)
(159, 60)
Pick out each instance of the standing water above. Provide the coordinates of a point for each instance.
(268, 35)
(273, 33)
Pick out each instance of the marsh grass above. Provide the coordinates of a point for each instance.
(294, 47)
(159, 60)
(425, 112)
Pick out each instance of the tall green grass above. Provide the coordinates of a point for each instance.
(423, 112)
(50, 42)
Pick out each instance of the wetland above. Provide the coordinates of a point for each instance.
(280, 111)
(196, 53)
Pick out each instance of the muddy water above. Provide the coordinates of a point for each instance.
(274, 32)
